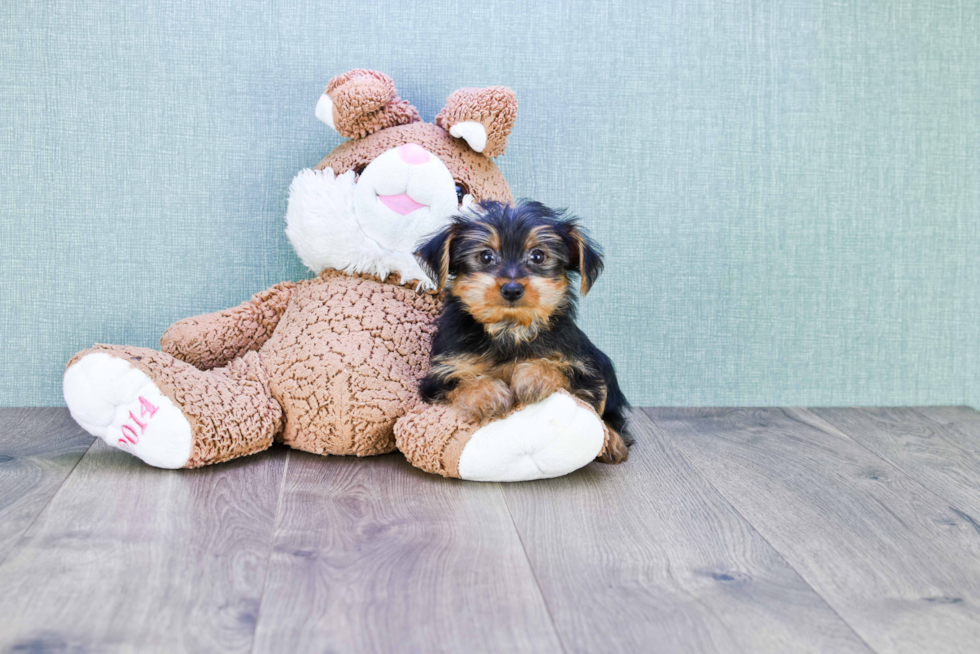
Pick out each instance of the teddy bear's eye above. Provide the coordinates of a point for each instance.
(461, 192)
(486, 257)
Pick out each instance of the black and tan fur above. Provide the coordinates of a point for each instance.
(507, 335)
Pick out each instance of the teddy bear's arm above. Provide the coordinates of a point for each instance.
(213, 339)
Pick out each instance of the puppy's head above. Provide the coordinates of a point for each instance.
(511, 263)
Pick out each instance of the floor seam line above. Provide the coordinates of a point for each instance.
(755, 529)
(272, 547)
(530, 565)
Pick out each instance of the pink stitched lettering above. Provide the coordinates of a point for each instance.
(141, 425)
(146, 407)
(131, 437)
(128, 432)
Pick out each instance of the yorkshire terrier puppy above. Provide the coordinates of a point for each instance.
(507, 335)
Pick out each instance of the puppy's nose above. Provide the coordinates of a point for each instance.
(512, 291)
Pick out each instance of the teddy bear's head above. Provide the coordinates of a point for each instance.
(368, 204)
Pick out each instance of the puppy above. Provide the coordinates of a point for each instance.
(507, 334)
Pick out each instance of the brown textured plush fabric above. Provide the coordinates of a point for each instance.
(365, 101)
(231, 410)
(494, 106)
(478, 173)
(346, 360)
(342, 365)
(214, 339)
(432, 437)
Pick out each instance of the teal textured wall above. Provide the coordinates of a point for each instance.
(788, 191)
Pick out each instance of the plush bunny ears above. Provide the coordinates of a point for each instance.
(482, 117)
(362, 102)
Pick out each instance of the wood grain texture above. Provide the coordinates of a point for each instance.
(937, 446)
(374, 556)
(647, 556)
(38, 449)
(896, 561)
(128, 557)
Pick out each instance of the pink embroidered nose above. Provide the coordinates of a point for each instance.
(400, 203)
(412, 153)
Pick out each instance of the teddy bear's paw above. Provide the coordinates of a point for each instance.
(121, 405)
(548, 439)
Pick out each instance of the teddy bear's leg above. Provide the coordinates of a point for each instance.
(167, 412)
(551, 438)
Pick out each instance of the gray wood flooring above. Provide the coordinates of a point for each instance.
(728, 530)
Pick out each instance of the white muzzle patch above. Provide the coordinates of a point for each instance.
(404, 195)
(374, 224)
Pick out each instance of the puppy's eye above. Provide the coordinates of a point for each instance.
(537, 256)
(461, 191)
(486, 257)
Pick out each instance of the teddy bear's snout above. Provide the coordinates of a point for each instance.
(413, 153)
(407, 179)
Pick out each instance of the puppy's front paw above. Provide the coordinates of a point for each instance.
(533, 381)
(616, 450)
(483, 398)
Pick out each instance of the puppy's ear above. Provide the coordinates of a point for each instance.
(435, 255)
(585, 257)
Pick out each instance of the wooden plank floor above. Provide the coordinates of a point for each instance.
(728, 530)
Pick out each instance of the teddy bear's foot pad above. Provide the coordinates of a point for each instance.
(548, 439)
(121, 405)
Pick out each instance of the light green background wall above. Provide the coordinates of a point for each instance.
(788, 191)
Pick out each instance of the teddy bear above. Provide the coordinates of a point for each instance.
(331, 364)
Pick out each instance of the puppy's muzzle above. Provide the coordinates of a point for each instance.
(512, 291)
